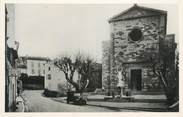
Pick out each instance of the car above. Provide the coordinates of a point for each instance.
(78, 100)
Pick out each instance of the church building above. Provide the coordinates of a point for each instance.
(134, 32)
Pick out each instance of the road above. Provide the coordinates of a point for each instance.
(38, 103)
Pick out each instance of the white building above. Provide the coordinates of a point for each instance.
(36, 66)
(33, 66)
(55, 79)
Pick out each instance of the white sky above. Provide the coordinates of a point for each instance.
(50, 30)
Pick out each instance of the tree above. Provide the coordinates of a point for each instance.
(177, 75)
(69, 66)
(84, 70)
(163, 66)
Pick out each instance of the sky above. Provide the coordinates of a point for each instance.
(50, 30)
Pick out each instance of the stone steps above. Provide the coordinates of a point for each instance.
(148, 93)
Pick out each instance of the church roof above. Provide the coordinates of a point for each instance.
(136, 11)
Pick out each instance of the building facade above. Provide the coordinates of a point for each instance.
(106, 64)
(33, 66)
(95, 80)
(133, 33)
(32, 71)
(36, 66)
(11, 57)
(54, 78)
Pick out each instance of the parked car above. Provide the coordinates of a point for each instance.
(75, 99)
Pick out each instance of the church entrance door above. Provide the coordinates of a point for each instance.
(136, 79)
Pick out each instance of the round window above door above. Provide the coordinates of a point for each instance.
(135, 34)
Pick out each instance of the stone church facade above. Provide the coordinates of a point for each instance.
(134, 32)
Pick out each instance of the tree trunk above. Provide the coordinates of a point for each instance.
(81, 95)
(169, 92)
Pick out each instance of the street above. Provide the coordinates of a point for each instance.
(38, 103)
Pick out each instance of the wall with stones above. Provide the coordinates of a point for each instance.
(127, 51)
(106, 61)
(149, 81)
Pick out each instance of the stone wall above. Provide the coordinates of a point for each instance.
(149, 81)
(106, 61)
(124, 50)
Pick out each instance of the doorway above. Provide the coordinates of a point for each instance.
(136, 79)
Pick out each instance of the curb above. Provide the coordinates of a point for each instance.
(125, 108)
(147, 109)
(133, 108)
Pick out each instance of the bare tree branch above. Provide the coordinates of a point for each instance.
(80, 63)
